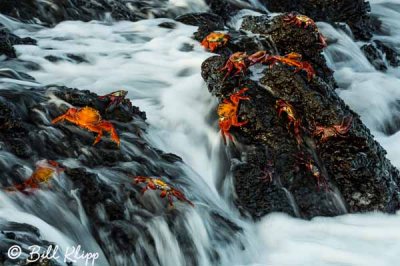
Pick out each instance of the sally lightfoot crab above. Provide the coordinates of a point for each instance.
(312, 168)
(166, 189)
(300, 20)
(43, 173)
(215, 40)
(284, 107)
(340, 130)
(115, 98)
(89, 119)
(227, 112)
(295, 60)
(236, 64)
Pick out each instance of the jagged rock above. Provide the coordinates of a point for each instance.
(353, 12)
(360, 178)
(380, 55)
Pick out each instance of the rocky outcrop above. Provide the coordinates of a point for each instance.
(381, 55)
(353, 12)
(8, 40)
(359, 177)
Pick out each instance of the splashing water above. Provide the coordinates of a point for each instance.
(161, 70)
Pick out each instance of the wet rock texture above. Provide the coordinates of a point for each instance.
(8, 40)
(381, 55)
(353, 12)
(52, 12)
(359, 177)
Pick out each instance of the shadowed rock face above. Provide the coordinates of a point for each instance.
(353, 12)
(359, 177)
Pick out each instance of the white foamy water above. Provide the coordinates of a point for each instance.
(161, 70)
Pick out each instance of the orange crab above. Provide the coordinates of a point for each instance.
(314, 170)
(285, 107)
(237, 63)
(227, 112)
(166, 189)
(114, 98)
(45, 170)
(300, 20)
(215, 40)
(258, 57)
(293, 59)
(326, 133)
(90, 119)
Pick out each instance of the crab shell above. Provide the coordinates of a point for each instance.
(215, 40)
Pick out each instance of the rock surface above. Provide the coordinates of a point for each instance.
(353, 12)
(381, 55)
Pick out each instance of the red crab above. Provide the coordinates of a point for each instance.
(258, 57)
(310, 166)
(284, 107)
(215, 40)
(293, 59)
(227, 112)
(90, 119)
(166, 190)
(341, 130)
(300, 20)
(44, 172)
(114, 98)
(237, 63)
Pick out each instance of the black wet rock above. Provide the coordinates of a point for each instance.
(353, 12)
(8, 40)
(207, 23)
(290, 38)
(381, 55)
(360, 178)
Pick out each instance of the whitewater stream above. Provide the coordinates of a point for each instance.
(160, 68)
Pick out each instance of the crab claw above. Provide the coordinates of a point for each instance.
(258, 57)
(180, 196)
(139, 179)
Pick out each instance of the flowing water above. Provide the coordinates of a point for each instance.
(160, 68)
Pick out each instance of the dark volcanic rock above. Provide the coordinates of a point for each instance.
(290, 38)
(381, 55)
(353, 12)
(7, 40)
(359, 177)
